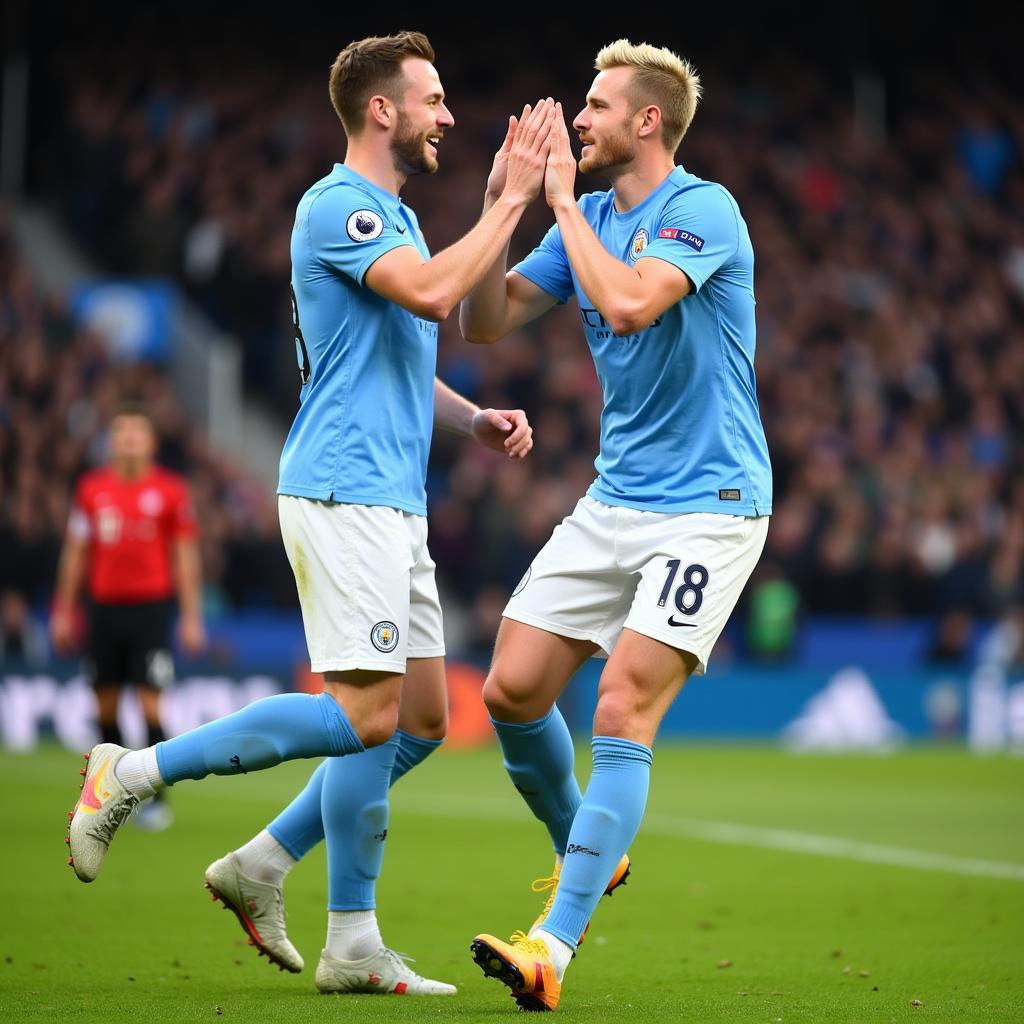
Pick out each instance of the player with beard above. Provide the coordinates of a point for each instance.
(650, 564)
(367, 298)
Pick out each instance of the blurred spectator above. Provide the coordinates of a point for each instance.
(22, 639)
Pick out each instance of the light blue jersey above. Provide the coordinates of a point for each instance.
(362, 432)
(680, 430)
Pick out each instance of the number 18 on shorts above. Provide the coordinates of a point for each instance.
(675, 577)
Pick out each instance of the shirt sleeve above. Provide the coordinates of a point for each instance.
(698, 232)
(548, 266)
(349, 231)
(79, 523)
(183, 520)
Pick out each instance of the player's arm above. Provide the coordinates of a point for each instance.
(629, 298)
(188, 575)
(189, 581)
(432, 288)
(504, 430)
(74, 560)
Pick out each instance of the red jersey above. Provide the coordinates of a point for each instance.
(131, 527)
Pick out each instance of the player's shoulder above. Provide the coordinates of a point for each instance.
(592, 201)
(168, 479)
(93, 479)
(344, 191)
(703, 192)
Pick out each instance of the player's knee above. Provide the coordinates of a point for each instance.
(502, 697)
(377, 726)
(430, 726)
(618, 713)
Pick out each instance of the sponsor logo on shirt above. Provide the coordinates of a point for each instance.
(364, 226)
(686, 237)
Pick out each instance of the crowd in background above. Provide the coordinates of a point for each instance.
(890, 360)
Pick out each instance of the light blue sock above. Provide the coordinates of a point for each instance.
(300, 826)
(354, 809)
(411, 751)
(539, 758)
(605, 826)
(279, 728)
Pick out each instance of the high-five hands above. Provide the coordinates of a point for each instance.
(560, 172)
(519, 166)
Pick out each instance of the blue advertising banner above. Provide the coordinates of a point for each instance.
(135, 317)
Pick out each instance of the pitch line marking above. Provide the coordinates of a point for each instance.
(734, 834)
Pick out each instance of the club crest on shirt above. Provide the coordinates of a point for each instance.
(151, 502)
(384, 636)
(364, 226)
(639, 243)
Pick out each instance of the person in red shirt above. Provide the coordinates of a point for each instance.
(131, 540)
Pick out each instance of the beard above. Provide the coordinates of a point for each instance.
(409, 149)
(614, 151)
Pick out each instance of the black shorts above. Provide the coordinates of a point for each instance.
(130, 644)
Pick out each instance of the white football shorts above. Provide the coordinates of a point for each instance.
(675, 577)
(366, 584)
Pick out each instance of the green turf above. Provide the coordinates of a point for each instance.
(144, 943)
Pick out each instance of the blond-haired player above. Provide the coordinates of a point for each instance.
(649, 566)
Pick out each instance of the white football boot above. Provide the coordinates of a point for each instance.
(104, 806)
(259, 907)
(384, 972)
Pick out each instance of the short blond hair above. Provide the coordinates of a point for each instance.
(660, 77)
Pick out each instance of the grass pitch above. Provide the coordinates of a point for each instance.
(766, 887)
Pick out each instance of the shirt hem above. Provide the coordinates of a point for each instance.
(345, 498)
(730, 508)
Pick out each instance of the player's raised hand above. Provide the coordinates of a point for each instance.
(504, 430)
(560, 172)
(527, 156)
(499, 169)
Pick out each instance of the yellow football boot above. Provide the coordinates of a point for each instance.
(524, 965)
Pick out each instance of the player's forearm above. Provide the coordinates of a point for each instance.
(482, 312)
(615, 289)
(450, 275)
(70, 575)
(452, 412)
(189, 579)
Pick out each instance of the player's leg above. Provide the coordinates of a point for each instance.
(253, 875)
(674, 620)
(358, 708)
(108, 698)
(680, 608)
(152, 669)
(640, 681)
(106, 668)
(568, 606)
(355, 816)
(355, 805)
(529, 670)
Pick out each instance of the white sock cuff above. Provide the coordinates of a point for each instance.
(139, 773)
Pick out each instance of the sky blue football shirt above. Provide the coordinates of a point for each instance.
(362, 432)
(680, 430)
